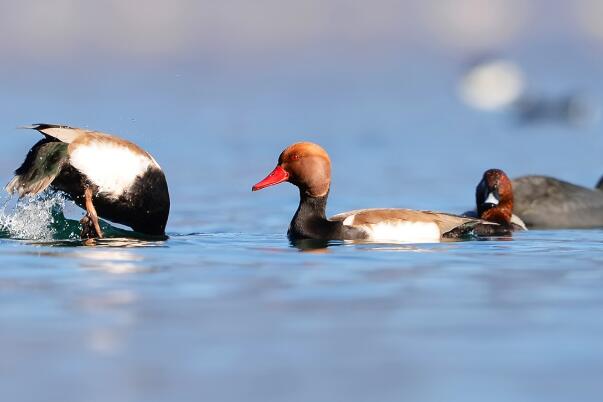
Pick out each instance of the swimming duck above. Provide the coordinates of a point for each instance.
(106, 175)
(308, 166)
(494, 200)
(549, 203)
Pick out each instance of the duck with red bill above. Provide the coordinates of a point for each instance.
(308, 166)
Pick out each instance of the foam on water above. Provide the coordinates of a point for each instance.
(38, 218)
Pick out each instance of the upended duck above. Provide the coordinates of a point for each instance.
(494, 199)
(548, 203)
(106, 175)
(308, 166)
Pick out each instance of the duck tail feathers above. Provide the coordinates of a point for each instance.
(56, 131)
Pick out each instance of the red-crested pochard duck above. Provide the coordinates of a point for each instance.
(308, 166)
(549, 203)
(494, 201)
(104, 174)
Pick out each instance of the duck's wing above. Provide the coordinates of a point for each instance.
(546, 202)
(58, 132)
(406, 224)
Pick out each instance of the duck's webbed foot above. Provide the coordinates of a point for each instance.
(90, 226)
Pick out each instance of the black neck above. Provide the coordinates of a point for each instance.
(310, 222)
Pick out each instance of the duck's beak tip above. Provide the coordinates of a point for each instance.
(278, 175)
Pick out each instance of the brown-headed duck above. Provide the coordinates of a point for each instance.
(549, 203)
(106, 175)
(494, 201)
(308, 166)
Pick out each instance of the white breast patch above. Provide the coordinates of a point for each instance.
(403, 231)
(112, 167)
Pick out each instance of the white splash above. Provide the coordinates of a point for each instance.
(31, 219)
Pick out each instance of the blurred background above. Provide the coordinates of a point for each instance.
(409, 97)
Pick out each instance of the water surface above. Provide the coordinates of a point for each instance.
(228, 309)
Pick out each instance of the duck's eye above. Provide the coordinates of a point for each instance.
(295, 157)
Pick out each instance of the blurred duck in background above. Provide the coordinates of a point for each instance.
(549, 203)
(308, 166)
(495, 202)
(494, 84)
(571, 108)
(106, 175)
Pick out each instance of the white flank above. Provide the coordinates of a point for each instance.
(491, 199)
(403, 231)
(113, 168)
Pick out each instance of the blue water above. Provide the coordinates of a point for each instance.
(228, 309)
